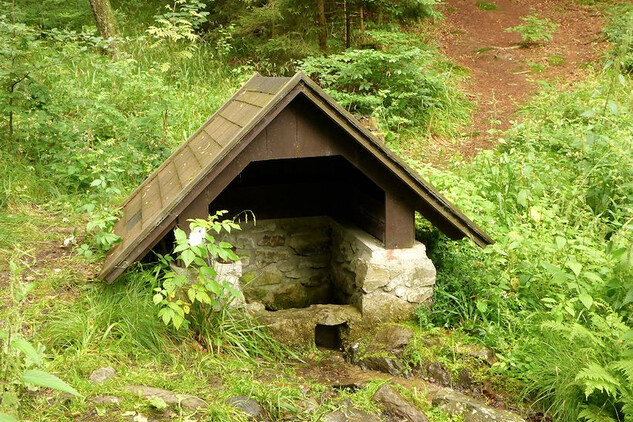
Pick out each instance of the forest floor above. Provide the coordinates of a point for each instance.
(502, 74)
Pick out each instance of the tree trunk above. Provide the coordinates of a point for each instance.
(322, 27)
(104, 18)
(348, 29)
(362, 19)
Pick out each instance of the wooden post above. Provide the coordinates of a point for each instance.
(199, 208)
(399, 223)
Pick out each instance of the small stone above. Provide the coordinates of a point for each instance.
(386, 364)
(173, 399)
(105, 400)
(255, 308)
(394, 404)
(272, 240)
(348, 413)
(437, 371)
(309, 243)
(249, 406)
(471, 409)
(482, 353)
(391, 338)
(101, 375)
(464, 380)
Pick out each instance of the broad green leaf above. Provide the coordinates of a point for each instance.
(178, 320)
(522, 198)
(29, 351)
(622, 80)
(180, 235)
(46, 380)
(7, 418)
(158, 298)
(593, 277)
(166, 314)
(575, 267)
(187, 257)
(586, 299)
(157, 403)
(560, 242)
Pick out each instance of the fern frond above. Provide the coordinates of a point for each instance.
(626, 367)
(595, 377)
(593, 413)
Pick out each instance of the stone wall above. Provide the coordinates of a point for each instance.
(295, 263)
(285, 261)
(385, 284)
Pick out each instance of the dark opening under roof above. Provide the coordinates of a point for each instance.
(152, 209)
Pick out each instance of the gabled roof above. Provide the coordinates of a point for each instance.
(151, 207)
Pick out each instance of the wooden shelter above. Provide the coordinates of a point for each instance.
(282, 147)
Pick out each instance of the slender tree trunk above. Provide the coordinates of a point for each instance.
(104, 18)
(348, 32)
(361, 13)
(322, 27)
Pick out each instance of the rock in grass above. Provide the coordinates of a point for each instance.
(391, 338)
(173, 399)
(348, 413)
(438, 373)
(249, 406)
(384, 351)
(101, 375)
(394, 404)
(471, 409)
(386, 364)
(105, 400)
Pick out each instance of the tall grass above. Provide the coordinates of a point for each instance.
(119, 316)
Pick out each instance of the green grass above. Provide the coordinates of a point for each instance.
(484, 5)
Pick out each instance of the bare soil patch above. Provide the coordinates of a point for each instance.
(504, 75)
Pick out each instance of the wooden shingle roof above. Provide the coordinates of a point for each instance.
(156, 202)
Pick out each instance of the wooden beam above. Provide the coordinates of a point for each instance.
(399, 222)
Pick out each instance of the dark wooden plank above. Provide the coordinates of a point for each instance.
(222, 130)
(199, 208)
(240, 113)
(399, 222)
(258, 99)
(269, 85)
(169, 183)
(187, 166)
(151, 202)
(281, 136)
(205, 148)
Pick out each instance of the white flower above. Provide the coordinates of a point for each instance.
(196, 236)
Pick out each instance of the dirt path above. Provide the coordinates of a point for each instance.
(504, 76)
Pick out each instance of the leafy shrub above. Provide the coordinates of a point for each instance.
(534, 30)
(400, 82)
(192, 294)
(593, 372)
(619, 32)
(556, 198)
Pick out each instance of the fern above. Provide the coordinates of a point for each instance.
(593, 413)
(626, 367)
(595, 377)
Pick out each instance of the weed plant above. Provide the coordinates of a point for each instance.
(554, 294)
(401, 82)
